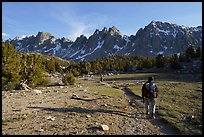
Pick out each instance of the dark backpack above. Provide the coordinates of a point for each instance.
(146, 91)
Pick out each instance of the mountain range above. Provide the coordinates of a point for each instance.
(155, 38)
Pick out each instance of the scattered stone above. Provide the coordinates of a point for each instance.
(88, 116)
(41, 130)
(105, 105)
(16, 110)
(37, 91)
(74, 96)
(51, 118)
(104, 127)
(13, 91)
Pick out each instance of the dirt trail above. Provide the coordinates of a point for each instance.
(166, 128)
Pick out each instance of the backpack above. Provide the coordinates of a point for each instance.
(147, 92)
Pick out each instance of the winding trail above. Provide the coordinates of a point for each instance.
(165, 127)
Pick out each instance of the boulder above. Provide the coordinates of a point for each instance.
(104, 127)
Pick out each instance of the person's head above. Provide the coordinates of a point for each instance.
(150, 78)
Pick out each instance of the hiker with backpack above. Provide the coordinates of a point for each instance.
(149, 95)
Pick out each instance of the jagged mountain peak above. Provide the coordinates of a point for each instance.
(156, 37)
(81, 38)
(114, 31)
(42, 36)
(63, 39)
(96, 32)
(105, 29)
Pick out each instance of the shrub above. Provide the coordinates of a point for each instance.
(176, 65)
(68, 79)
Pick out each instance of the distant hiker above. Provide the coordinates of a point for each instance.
(149, 95)
(101, 79)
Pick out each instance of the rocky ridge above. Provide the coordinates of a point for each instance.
(155, 38)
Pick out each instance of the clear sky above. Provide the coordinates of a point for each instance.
(71, 19)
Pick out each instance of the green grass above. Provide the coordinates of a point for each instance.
(97, 87)
(105, 90)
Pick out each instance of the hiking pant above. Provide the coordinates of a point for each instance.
(150, 105)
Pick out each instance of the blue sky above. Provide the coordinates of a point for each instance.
(71, 19)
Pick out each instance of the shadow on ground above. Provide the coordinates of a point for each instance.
(165, 127)
(83, 110)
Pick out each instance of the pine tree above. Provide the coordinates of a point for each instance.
(160, 61)
(10, 67)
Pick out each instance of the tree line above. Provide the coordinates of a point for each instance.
(32, 67)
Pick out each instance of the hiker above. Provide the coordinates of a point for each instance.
(101, 79)
(149, 95)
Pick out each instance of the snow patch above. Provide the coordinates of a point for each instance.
(54, 49)
(100, 44)
(126, 38)
(165, 47)
(82, 51)
(133, 44)
(117, 47)
(160, 52)
(19, 43)
(166, 32)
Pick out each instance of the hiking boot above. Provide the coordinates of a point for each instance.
(152, 116)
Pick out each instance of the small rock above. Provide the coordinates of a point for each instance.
(37, 91)
(74, 96)
(16, 110)
(51, 118)
(88, 116)
(104, 105)
(192, 117)
(104, 127)
(41, 130)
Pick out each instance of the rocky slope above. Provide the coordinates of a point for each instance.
(155, 38)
